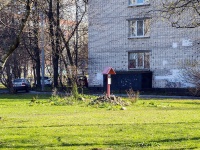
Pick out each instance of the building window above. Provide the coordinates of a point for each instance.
(138, 2)
(139, 28)
(139, 60)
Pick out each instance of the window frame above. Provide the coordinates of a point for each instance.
(144, 3)
(130, 29)
(144, 54)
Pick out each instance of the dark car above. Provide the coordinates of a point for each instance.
(21, 85)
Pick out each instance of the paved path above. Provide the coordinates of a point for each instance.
(169, 97)
(121, 95)
(159, 96)
(3, 91)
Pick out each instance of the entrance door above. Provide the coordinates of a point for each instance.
(125, 80)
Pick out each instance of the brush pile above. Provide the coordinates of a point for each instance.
(114, 100)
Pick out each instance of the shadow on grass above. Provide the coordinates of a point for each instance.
(12, 146)
(26, 144)
(189, 102)
(136, 144)
(178, 140)
(178, 108)
(101, 125)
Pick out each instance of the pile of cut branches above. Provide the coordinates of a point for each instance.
(114, 100)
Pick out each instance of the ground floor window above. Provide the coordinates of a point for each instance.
(139, 60)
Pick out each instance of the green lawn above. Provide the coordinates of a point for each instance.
(148, 124)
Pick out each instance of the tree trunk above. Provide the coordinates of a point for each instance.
(36, 47)
(37, 70)
(55, 56)
(57, 51)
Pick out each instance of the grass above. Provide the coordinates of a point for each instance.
(148, 124)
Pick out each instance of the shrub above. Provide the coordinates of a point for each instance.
(191, 75)
(133, 96)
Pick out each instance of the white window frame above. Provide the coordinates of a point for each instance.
(134, 34)
(137, 3)
(142, 27)
(131, 34)
(137, 59)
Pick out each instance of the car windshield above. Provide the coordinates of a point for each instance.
(18, 80)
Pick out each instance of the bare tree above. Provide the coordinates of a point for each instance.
(54, 36)
(4, 3)
(64, 35)
(65, 43)
(7, 51)
(13, 17)
(181, 13)
(31, 41)
(191, 75)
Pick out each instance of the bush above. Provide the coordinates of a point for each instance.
(133, 96)
(191, 75)
(195, 91)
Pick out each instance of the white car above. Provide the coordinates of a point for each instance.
(47, 81)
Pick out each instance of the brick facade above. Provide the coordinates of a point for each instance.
(170, 48)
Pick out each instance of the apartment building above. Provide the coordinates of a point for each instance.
(144, 50)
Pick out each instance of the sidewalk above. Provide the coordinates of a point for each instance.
(168, 97)
(3, 91)
(120, 95)
(157, 96)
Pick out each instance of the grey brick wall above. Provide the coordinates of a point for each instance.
(109, 43)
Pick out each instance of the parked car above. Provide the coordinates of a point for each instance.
(21, 85)
(47, 81)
